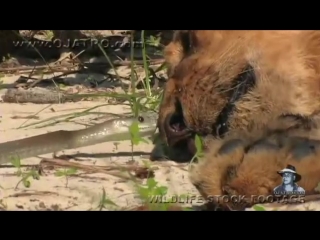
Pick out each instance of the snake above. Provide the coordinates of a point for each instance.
(110, 130)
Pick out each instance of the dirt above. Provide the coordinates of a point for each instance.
(84, 190)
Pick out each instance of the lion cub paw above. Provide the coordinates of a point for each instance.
(250, 165)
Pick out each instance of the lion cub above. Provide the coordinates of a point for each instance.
(262, 88)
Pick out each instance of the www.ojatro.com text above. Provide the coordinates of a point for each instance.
(236, 199)
(75, 43)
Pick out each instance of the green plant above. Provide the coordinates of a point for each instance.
(25, 175)
(259, 208)
(104, 202)
(149, 191)
(199, 149)
(67, 172)
(135, 135)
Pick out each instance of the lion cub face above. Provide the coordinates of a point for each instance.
(199, 88)
(239, 79)
(192, 99)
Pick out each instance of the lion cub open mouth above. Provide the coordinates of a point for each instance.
(178, 134)
(176, 129)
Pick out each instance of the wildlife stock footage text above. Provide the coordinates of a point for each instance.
(236, 199)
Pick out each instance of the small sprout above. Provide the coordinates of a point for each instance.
(15, 161)
(152, 194)
(104, 201)
(135, 136)
(199, 146)
(199, 149)
(26, 183)
(67, 172)
(25, 175)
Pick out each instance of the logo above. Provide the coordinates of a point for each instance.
(289, 186)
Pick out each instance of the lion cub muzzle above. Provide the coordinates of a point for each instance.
(174, 126)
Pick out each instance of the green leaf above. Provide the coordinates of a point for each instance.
(15, 161)
(187, 209)
(19, 173)
(71, 171)
(104, 193)
(258, 208)
(151, 183)
(162, 191)
(103, 197)
(135, 107)
(135, 141)
(144, 140)
(134, 132)
(35, 175)
(26, 183)
(59, 173)
(109, 202)
(198, 143)
(143, 193)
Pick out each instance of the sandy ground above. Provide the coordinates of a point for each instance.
(83, 191)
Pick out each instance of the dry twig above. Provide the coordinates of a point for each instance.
(117, 171)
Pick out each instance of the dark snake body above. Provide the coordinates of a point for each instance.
(111, 130)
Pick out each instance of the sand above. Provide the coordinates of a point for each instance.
(84, 190)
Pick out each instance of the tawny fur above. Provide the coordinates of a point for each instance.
(184, 43)
(286, 65)
(246, 170)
